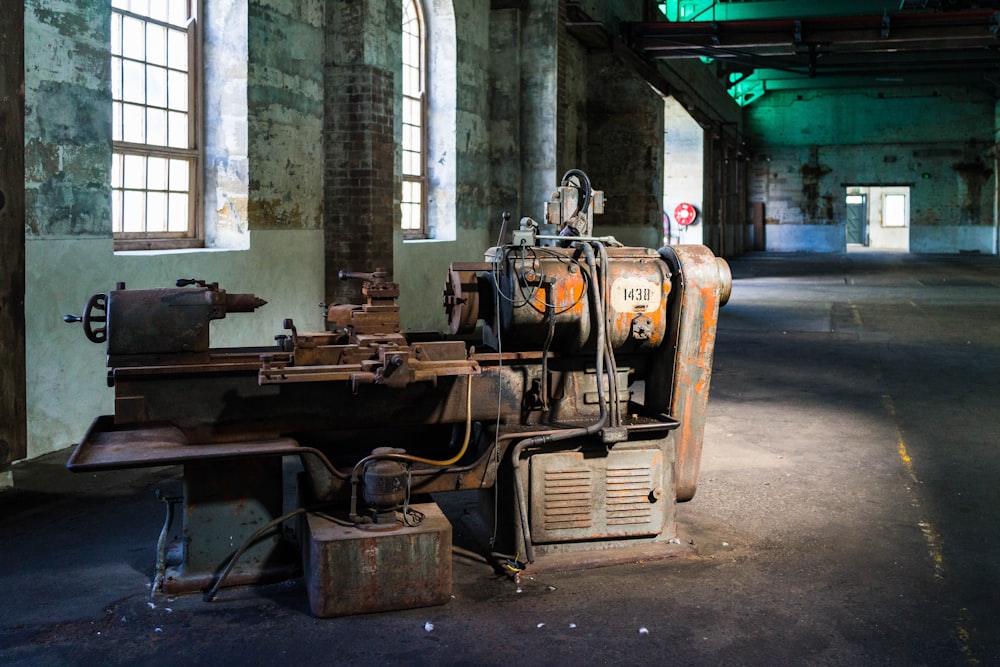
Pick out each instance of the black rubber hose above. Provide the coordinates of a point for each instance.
(587, 189)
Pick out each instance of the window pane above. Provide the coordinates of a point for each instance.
(411, 50)
(177, 50)
(178, 12)
(116, 121)
(156, 44)
(133, 123)
(411, 191)
(133, 82)
(140, 6)
(156, 86)
(179, 176)
(894, 211)
(177, 215)
(157, 10)
(134, 172)
(132, 38)
(411, 111)
(177, 132)
(156, 173)
(411, 216)
(178, 93)
(116, 34)
(411, 138)
(411, 81)
(116, 78)
(411, 163)
(116, 211)
(156, 127)
(156, 212)
(133, 211)
(116, 170)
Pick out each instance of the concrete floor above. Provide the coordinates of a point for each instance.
(846, 515)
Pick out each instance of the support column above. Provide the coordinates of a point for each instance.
(361, 188)
(996, 178)
(13, 424)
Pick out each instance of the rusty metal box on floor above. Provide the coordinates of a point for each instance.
(351, 570)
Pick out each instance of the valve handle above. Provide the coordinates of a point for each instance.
(97, 302)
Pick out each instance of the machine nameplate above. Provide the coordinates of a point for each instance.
(633, 294)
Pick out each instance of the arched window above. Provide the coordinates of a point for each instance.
(414, 142)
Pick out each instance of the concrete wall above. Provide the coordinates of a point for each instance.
(69, 249)
(808, 147)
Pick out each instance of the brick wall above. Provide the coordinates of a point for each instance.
(359, 184)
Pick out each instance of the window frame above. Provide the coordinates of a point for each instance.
(421, 179)
(193, 237)
(889, 219)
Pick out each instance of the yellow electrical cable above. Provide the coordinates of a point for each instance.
(417, 459)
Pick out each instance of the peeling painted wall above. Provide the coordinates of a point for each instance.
(226, 151)
(69, 250)
(67, 118)
(809, 146)
(285, 91)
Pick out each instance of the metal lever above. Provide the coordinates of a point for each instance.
(377, 276)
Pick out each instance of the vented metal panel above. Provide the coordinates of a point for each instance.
(568, 499)
(575, 497)
(628, 494)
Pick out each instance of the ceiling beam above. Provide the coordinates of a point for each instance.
(938, 47)
(951, 30)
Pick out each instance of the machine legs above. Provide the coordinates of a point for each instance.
(224, 504)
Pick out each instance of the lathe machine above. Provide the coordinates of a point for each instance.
(570, 391)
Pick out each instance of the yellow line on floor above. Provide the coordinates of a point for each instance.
(931, 535)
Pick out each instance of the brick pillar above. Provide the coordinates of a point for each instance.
(359, 179)
(360, 185)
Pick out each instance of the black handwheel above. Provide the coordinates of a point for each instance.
(96, 302)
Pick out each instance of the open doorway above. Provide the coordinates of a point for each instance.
(878, 217)
(683, 175)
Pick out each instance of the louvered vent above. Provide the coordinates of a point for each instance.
(577, 496)
(568, 499)
(628, 489)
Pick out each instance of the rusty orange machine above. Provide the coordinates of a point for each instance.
(570, 391)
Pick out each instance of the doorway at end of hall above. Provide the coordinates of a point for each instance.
(878, 217)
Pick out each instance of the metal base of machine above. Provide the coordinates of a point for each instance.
(352, 570)
(180, 580)
(584, 558)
